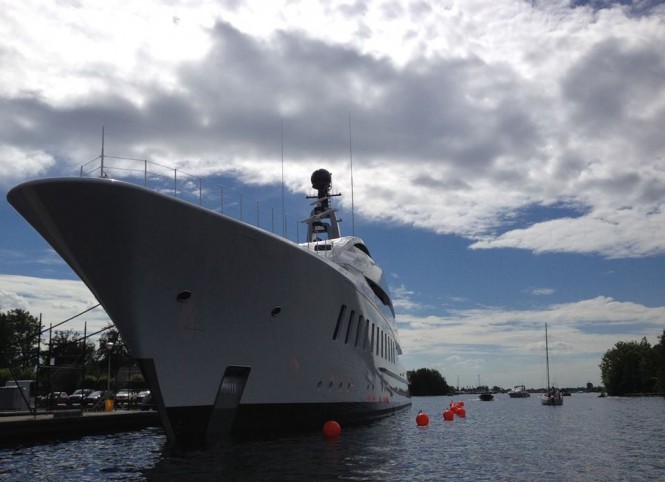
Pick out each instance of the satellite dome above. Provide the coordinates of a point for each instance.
(321, 180)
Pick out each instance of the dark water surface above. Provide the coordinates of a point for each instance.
(588, 438)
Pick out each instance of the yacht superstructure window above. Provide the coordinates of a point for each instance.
(381, 294)
(359, 330)
(371, 346)
(349, 328)
(362, 248)
(362, 333)
(340, 319)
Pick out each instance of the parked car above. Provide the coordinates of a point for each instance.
(94, 397)
(148, 403)
(57, 398)
(125, 397)
(78, 395)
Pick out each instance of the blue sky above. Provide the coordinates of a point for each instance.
(508, 155)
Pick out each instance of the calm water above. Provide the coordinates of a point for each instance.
(588, 438)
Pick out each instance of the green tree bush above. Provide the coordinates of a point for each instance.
(426, 381)
(19, 336)
(630, 367)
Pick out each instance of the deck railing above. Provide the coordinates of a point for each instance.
(197, 190)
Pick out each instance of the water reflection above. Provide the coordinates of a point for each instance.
(507, 439)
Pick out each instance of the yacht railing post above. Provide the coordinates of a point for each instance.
(145, 173)
(175, 183)
(200, 193)
(241, 207)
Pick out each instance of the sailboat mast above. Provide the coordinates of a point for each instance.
(547, 359)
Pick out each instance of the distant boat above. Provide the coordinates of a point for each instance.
(486, 396)
(602, 395)
(553, 395)
(519, 392)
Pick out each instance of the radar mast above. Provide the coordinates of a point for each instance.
(323, 220)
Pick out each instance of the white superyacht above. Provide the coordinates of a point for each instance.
(235, 329)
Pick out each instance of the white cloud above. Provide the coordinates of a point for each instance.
(506, 344)
(622, 233)
(16, 163)
(56, 300)
(463, 113)
(541, 291)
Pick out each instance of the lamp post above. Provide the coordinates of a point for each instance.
(109, 347)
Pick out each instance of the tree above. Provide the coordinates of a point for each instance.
(19, 339)
(68, 348)
(66, 361)
(628, 368)
(426, 381)
(119, 353)
(659, 364)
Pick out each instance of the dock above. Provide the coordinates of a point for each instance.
(44, 427)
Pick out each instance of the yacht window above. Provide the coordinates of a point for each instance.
(340, 317)
(359, 331)
(362, 248)
(372, 344)
(349, 328)
(382, 295)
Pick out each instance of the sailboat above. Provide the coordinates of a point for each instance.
(553, 395)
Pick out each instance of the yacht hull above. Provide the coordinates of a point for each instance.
(235, 329)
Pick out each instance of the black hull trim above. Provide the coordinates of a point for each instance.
(191, 425)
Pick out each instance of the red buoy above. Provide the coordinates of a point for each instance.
(461, 412)
(448, 415)
(460, 403)
(422, 419)
(331, 429)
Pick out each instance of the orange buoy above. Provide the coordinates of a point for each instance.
(448, 415)
(422, 419)
(331, 429)
(461, 412)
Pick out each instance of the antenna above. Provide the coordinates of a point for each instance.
(101, 172)
(281, 125)
(353, 218)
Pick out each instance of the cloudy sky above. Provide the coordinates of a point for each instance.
(508, 155)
